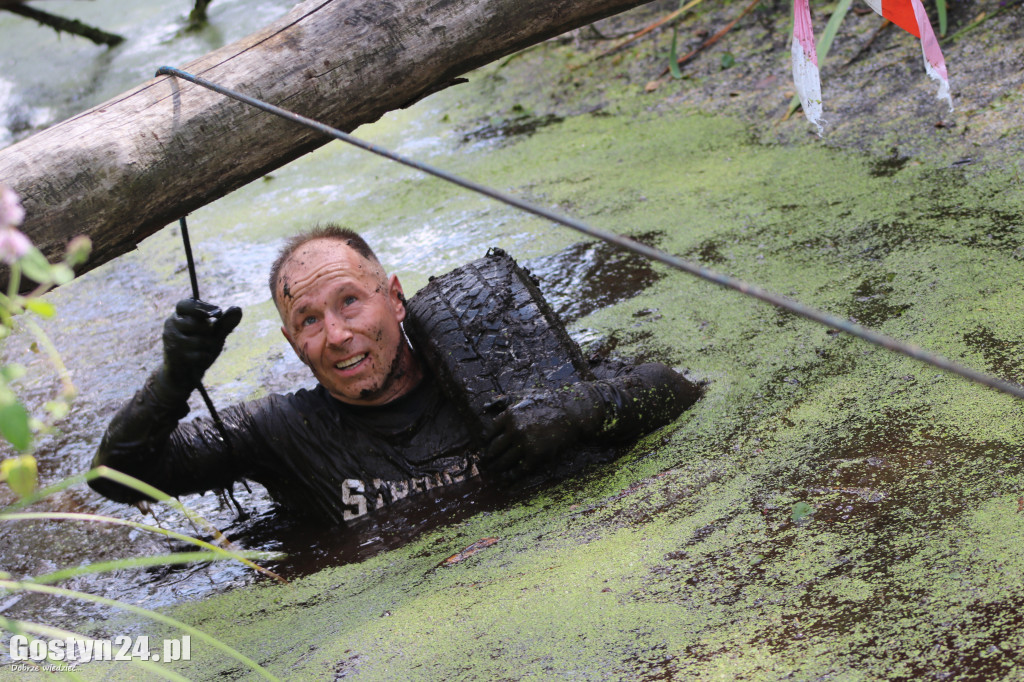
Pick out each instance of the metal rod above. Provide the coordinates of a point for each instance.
(795, 307)
(195, 294)
(188, 258)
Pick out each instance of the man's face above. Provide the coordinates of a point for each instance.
(341, 314)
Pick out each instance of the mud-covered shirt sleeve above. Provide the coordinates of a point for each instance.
(306, 448)
(638, 399)
(146, 440)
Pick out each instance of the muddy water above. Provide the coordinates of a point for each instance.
(108, 324)
(109, 320)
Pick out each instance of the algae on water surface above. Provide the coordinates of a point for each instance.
(829, 509)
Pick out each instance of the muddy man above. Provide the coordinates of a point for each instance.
(379, 426)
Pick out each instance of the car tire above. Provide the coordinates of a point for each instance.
(486, 333)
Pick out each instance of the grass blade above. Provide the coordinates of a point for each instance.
(673, 56)
(99, 518)
(132, 562)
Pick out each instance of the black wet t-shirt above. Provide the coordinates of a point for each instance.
(334, 462)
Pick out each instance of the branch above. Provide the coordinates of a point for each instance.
(67, 25)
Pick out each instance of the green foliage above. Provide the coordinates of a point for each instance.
(35, 266)
(16, 423)
(673, 55)
(20, 473)
(43, 309)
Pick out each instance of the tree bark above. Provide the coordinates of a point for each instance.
(126, 168)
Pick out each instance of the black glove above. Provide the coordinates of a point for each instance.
(538, 424)
(193, 338)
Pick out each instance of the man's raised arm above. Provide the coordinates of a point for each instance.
(144, 440)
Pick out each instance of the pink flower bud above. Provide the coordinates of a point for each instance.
(78, 250)
(11, 212)
(13, 244)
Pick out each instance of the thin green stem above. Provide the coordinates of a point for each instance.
(15, 282)
(54, 356)
(139, 562)
(98, 518)
(8, 309)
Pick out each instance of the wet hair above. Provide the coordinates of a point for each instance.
(327, 231)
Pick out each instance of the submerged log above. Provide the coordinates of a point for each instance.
(126, 168)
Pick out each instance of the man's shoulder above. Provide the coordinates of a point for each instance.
(609, 367)
(302, 400)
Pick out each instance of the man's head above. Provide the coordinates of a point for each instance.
(342, 315)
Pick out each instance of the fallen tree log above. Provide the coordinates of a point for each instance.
(126, 168)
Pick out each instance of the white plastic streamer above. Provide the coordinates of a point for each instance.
(909, 15)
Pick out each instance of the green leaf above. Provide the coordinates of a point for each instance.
(941, 5)
(21, 474)
(801, 510)
(728, 60)
(35, 266)
(42, 308)
(58, 409)
(673, 56)
(61, 273)
(14, 426)
(12, 372)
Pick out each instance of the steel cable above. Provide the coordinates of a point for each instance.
(795, 307)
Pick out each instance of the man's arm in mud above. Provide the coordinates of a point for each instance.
(623, 403)
(145, 440)
(637, 399)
